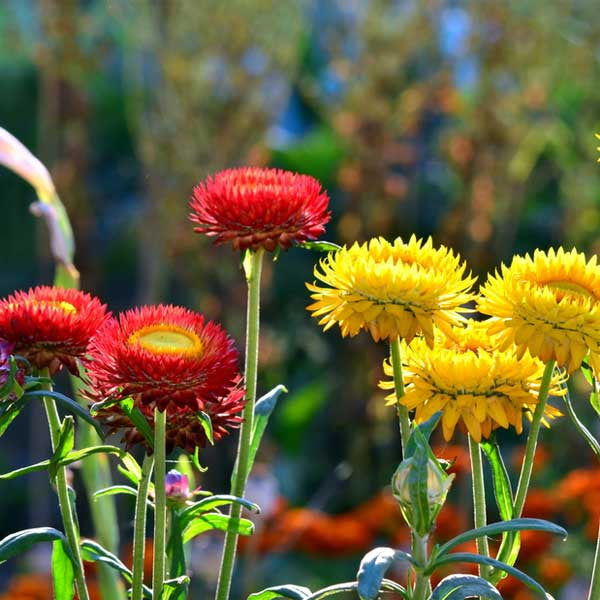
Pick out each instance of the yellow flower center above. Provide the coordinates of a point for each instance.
(167, 339)
(561, 287)
(65, 307)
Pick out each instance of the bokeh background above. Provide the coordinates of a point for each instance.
(469, 120)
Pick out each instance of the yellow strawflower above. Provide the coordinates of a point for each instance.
(392, 290)
(470, 381)
(549, 305)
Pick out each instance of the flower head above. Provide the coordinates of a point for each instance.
(177, 485)
(392, 290)
(51, 326)
(549, 305)
(260, 208)
(469, 380)
(170, 358)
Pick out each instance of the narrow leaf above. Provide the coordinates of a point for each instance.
(10, 413)
(21, 541)
(177, 567)
(501, 527)
(138, 419)
(459, 587)
(372, 569)
(93, 552)
(206, 423)
(321, 246)
(212, 502)
(426, 429)
(172, 588)
(212, 521)
(583, 430)
(63, 574)
(492, 562)
(294, 592)
(67, 404)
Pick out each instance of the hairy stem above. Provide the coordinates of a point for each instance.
(139, 532)
(160, 500)
(242, 466)
(403, 418)
(479, 507)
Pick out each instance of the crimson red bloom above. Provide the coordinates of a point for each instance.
(166, 357)
(255, 208)
(51, 326)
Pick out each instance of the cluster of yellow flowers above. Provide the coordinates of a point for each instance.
(482, 367)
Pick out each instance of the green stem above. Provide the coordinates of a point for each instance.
(160, 500)
(64, 502)
(139, 531)
(403, 418)
(534, 431)
(594, 593)
(422, 584)
(242, 466)
(479, 508)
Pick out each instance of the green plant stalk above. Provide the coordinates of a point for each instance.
(594, 593)
(534, 430)
(62, 490)
(160, 501)
(139, 531)
(242, 466)
(422, 587)
(403, 418)
(95, 473)
(479, 507)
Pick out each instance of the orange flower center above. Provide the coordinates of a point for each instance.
(167, 339)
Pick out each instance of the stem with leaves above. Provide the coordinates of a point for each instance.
(64, 501)
(253, 270)
(479, 507)
(534, 430)
(160, 500)
(396, 360)
(139, 531)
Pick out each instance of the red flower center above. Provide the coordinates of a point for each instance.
(167, 339)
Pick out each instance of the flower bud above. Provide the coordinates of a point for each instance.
(412, 507)
(177, 486)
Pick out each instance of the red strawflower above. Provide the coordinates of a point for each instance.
(255, 208)
(166, 357)
(51, 326)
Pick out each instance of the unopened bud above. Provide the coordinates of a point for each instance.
(177, 486)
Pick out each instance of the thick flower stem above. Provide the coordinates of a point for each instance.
(62, 489)
(534, 431)
(242, 466)
(595, 583)
(139, 532)
(399, 389)
(422, 587)
(160, 500)
(479, 508)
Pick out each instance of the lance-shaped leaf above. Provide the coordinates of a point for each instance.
(373, 568)
(293, 592)
(63, 573)
(209, 504)
(492, 562)
(138, 419)
(459, 587)
(173, 587)
(320, 246)
(21, 541)
(210, 521)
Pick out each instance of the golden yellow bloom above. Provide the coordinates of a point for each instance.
(470, 380)
(392, 290)
(549, 305)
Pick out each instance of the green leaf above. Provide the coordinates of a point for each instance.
(208, 522)
(212, 502)
(372, 569)
(501, 527)
(426, 429)
(72, 457)
(587, 371)
(511, 540)
(349, 586)
(177, 567)
(93, 552)
(492, 562)
(206, 423)
(69, 405)
(196, 461)
(21, 541)
(262, 411)
(130, 468)
(177, 585)
(417, 480)
(583, 430)
(66, 439)
(9, 412)
(63, 574)
(295, 592)
(138, 419)
(320, 246)
(119, 489)
(459, 587)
